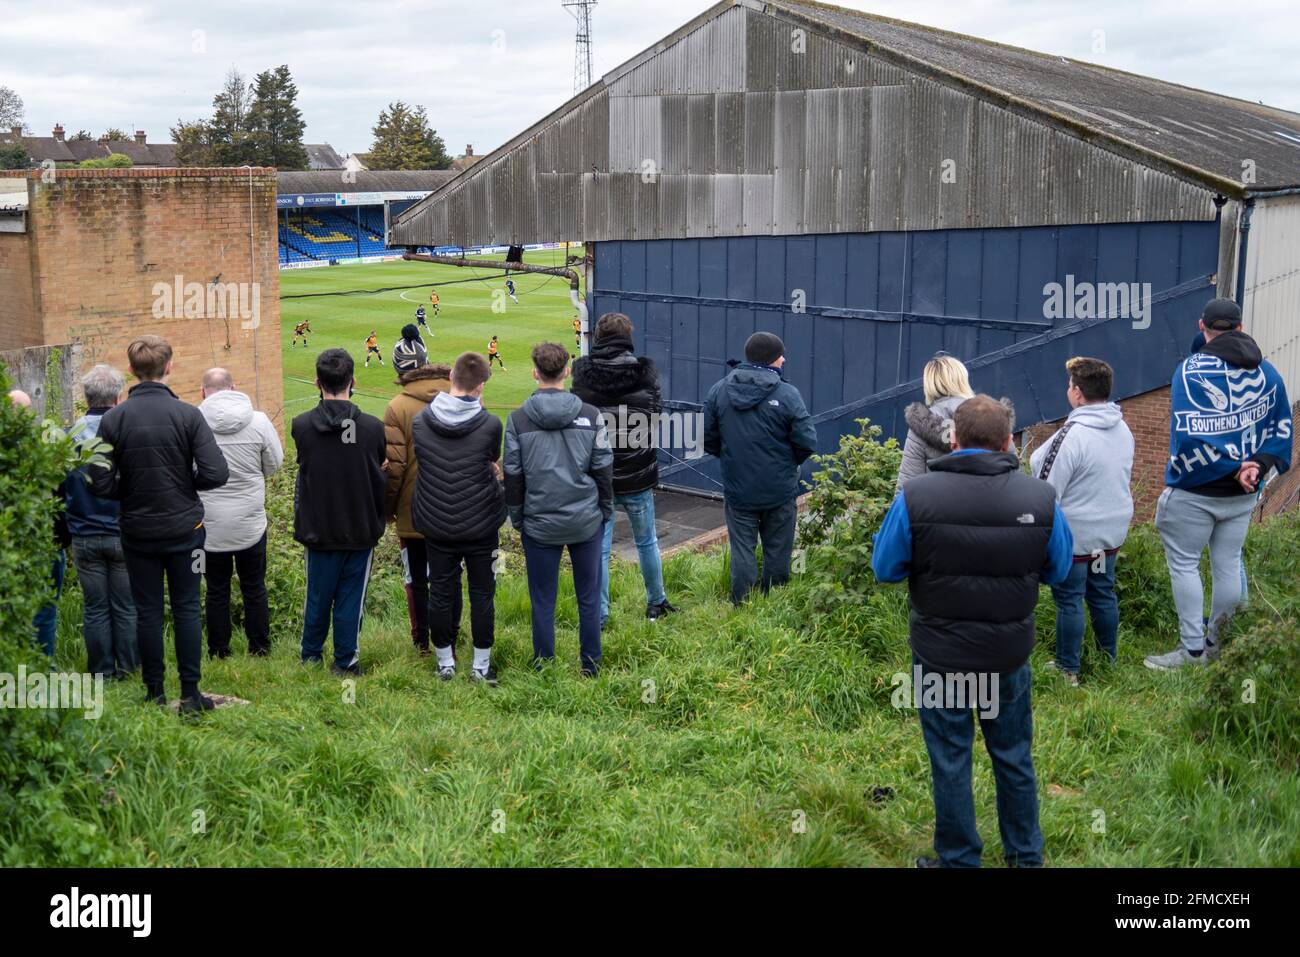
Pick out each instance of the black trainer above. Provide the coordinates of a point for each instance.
(155, 696)
(655, 612)
(927, 862)
(353, 670)
(488, 677)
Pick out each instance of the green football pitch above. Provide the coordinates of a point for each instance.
(344, 303)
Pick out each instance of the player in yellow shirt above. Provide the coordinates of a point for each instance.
(433, 301)
(300, 330)
(494, 354)
(372, 346)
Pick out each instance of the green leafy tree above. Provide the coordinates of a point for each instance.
(403, 140)
(275, 124)
(193, 143)
(228, 130)
(80, 136)
(111, 161)
(11, 109)
(15, 156)
(113, 133)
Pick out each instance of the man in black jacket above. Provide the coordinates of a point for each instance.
(625, 388)
(974, 537)
(757, 425)
(459, 507)
(338, 510)
(163, 456)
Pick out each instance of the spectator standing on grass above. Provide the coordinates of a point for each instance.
(235, 514)
(459, 507)
(973, 538)
(756, 423)
(1089, 461)
(409, 353)
(559, 474)
(419, 387)
(163, 455)
(625, 388)
(108, 613)
(338, 513)
(1229, 427)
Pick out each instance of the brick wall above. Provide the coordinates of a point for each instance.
(1147, 416)
(19, 324)
(108, 247)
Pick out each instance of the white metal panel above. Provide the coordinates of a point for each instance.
(1271, 304)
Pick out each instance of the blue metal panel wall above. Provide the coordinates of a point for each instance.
(876, 306)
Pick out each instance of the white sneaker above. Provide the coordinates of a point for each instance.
(1171, 660)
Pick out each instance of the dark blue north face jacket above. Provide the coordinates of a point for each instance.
(758, 426)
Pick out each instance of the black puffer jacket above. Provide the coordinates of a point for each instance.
(613, 376)
(163, 456)
(457, 495)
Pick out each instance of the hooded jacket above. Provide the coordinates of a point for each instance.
(1091, 475)
(338, 501)
(85, 513)
(235, 514)
(457, 496)
(418, 389)
(625, 388)
(929, 434)
(559, 469)
(1227, 404)
(756, 423)
(163, 456)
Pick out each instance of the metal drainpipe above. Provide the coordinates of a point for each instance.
(569, 274)
(1243, 249)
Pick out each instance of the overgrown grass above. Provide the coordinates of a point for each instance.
(700, 744)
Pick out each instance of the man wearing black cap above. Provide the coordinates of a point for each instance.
(756, 423)
(1229, 426)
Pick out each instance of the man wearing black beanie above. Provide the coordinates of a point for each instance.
(756, 423)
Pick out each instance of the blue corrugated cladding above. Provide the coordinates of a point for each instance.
(876, 306)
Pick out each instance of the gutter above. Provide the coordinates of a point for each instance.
(1243, 247)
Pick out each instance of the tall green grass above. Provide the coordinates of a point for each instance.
(755, 736)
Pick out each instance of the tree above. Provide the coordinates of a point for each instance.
(228, 128)
(79, 136)
(403, 140)
(14, 156)
(11, 110)
(193, 143)
(113, 133)
(274, 123)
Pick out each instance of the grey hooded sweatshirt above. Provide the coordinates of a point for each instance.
(235, 514)
(1091, 476)
(559, 468)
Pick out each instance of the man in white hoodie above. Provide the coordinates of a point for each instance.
(235, 514)
(1089, 461)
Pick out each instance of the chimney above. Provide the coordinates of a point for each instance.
(58, 132)
(103, 138)
(16, 130)
(139, 137)
(469, 149)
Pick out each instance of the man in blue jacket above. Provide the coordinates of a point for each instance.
(973, 538)
(756, 423)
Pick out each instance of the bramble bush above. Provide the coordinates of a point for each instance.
(852, 489)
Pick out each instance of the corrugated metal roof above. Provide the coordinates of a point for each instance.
(795, 117)
(362, 181)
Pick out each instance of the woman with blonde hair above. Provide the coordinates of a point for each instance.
(929, 424)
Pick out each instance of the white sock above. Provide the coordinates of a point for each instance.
(446, 656)
(482, 659)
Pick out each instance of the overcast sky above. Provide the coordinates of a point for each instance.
(487, 70)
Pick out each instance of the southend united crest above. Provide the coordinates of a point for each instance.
(1224, 398)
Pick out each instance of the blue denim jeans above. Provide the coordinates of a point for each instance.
(640, 509)
(1098, 590)
(950, 739)
(108, 622)
(46, 622)
(746, 528)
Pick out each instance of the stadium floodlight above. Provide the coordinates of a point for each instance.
(580, 10)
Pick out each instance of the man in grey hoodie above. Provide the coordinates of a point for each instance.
(235, 514)
(559, 474)
(1089, 461)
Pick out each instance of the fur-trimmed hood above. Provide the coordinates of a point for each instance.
(930, 423)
